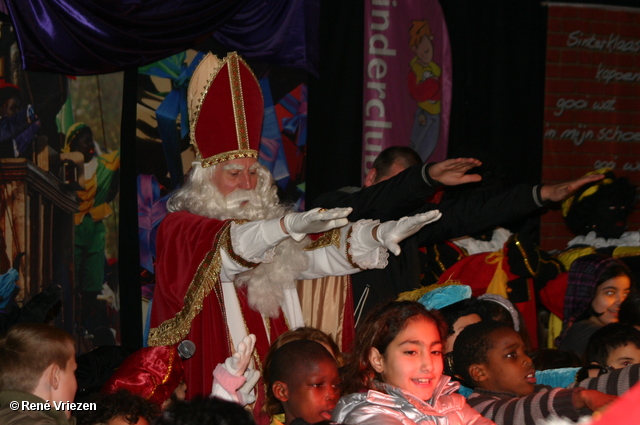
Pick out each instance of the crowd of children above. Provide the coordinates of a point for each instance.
(441, 360)
(395, 373)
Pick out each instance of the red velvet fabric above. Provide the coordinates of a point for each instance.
(184, 239)
(624, 411)
(552, 295)
(348, 322)
(476, 272)
(254, 321)
(151, 372)
(213, 134)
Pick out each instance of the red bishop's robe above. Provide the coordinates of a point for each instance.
(188, 301)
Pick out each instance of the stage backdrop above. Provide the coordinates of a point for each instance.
(59, 209)
(407, 79)
(592, 102)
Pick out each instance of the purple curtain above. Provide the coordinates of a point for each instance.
(84, 37)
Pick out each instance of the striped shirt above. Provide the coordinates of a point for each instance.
(545, 401)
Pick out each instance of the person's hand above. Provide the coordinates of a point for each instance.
(315, 221)
(593, 399)
(245, 394)
(238, 363)
(451, 172)
(391, 233)
(561, 191)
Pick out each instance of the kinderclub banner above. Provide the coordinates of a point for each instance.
(407, 79)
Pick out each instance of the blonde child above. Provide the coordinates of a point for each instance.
(395, 373)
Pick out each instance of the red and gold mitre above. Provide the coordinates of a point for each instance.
(225, 110)
(151, 372)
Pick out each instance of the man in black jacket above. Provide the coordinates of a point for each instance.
(399, 184)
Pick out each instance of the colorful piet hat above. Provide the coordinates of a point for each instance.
(151, 372)
(226, 109)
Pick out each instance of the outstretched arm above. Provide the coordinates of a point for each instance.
(561, 191)
(617, 382)
(451, 172)
(541, 404)
(402, 194)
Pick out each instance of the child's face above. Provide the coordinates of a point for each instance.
(508, 368)
(424, 50)
(413, 360)
(314, 395)
(609, 295)
(624, 356)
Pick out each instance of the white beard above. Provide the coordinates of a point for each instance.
(244, 204)
(265, 283)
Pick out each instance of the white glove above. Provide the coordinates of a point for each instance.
(238, 363)
(232, 380)
(315, 221)
(245, 393)
(391, 233)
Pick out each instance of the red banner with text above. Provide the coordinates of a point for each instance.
(592, 101)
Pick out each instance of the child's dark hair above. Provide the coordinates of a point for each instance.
(378, 330)
(554, 358)
(453, 312)
(586, 274)
(288, 363)
(205, 410)
(608, 338)
(304, 332)
(630, 309)
(121, 404)
(472, 345)
(615, 268)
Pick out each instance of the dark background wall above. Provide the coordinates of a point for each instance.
(498, 50)
(498, 89)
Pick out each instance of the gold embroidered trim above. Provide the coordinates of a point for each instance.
(207, 277)
(332, 237)
(228, 156)
(237, 100)
(235, 257)
(166, 375)
(525, 258)
(348, 248)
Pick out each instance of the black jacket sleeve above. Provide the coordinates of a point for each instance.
(475, 211)
(391, 199)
